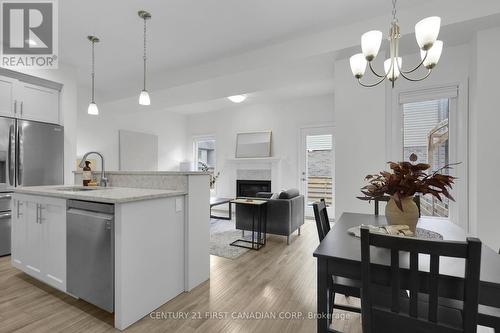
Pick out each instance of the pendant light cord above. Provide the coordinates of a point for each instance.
(93, 70)
(144, 57)
(394, 11)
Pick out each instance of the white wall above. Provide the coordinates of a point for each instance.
(68, 104)
(360, 138)
(485, 138)
(284, 119)
(100, 133)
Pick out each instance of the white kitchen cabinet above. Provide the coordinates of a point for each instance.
(39, 238)
(7, 93)
(38, 103)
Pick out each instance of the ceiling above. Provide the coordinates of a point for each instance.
(183, 33)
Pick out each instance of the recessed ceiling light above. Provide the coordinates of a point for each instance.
(237, 98)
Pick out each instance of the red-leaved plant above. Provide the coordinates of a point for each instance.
(406, 180)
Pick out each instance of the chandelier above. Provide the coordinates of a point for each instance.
(426, 32)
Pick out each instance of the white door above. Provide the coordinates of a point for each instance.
(38, 103)
(7, 97)
(316, 159)
(53, 223)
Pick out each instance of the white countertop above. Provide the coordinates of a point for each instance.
(149, 173)
(105, 194)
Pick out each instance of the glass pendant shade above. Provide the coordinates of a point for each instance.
(427, 31)
(433, 54)
(388, 64)
(358, 65)
(93, 110)
(144, 98)
(370, 44)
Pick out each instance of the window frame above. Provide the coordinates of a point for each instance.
(196, 140)
(458, 144)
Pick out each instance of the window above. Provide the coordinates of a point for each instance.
(204, 153)
(426, 134)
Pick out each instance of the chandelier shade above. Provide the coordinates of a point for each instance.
(431, 57)
(358, 65)
(426, 32)
(370, 43)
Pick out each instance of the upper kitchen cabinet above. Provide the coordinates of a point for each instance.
(28, 97)
(7, 100)
(38, 103)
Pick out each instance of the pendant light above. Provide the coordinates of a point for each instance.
(93, 110)
(426, 33)
(144, 96)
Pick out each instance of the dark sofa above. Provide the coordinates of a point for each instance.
(285, 215)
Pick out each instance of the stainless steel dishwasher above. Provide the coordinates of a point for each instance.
(90, 252)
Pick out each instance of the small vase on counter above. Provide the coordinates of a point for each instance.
(87, 174)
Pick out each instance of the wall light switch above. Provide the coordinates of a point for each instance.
(179, 204)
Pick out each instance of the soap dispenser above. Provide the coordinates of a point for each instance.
(87, 174)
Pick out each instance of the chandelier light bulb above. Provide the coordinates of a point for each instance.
(392, 75)
(370, 44)
(358, 65)
(93, 110)
(427, 31)
(144, 98)
(433, 55)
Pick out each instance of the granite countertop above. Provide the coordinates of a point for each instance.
(148, 173)
(105, 194)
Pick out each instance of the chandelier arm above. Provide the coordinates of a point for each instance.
(419, 79)
(373, 71)
(415, 68)
(373, 84)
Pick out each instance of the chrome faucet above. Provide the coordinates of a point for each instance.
(104, 181)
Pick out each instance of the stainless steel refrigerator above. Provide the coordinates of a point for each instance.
(31, 153)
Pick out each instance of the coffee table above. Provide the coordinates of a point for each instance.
(216, 201)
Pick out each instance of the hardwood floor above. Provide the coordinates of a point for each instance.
(278, 280)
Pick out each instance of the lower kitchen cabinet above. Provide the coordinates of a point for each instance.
(39, 238)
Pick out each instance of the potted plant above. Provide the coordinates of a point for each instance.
(213, 177)
(401, 183)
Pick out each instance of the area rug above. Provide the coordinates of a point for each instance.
(219, 244)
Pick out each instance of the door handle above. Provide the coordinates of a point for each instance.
(12, 156)
(20, 154)
(22, 108)
(19, 203)
(15, 106)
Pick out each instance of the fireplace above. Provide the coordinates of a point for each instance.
(249, 188)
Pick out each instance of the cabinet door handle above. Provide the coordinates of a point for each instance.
(21, 108)
(19, 203)
(15, 106)
(37, 213)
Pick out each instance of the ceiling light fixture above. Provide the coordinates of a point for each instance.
(144, 96)
(237, 98)
(93, 110)
(426, 32)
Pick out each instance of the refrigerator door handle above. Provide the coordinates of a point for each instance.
(12, 156)
(20, 154)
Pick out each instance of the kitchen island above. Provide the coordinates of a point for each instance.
(159, 241)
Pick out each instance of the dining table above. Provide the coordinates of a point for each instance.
(339, 254)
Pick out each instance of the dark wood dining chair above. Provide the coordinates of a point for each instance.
(386, 198)
(338, 285)
(410, 314)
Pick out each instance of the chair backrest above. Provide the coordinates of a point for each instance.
(423, 282)
(386, 198)
(321, 217)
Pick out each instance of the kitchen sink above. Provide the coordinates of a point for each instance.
(78, 189)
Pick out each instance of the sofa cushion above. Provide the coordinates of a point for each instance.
(289, 194)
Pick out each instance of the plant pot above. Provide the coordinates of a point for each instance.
(409, 215)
